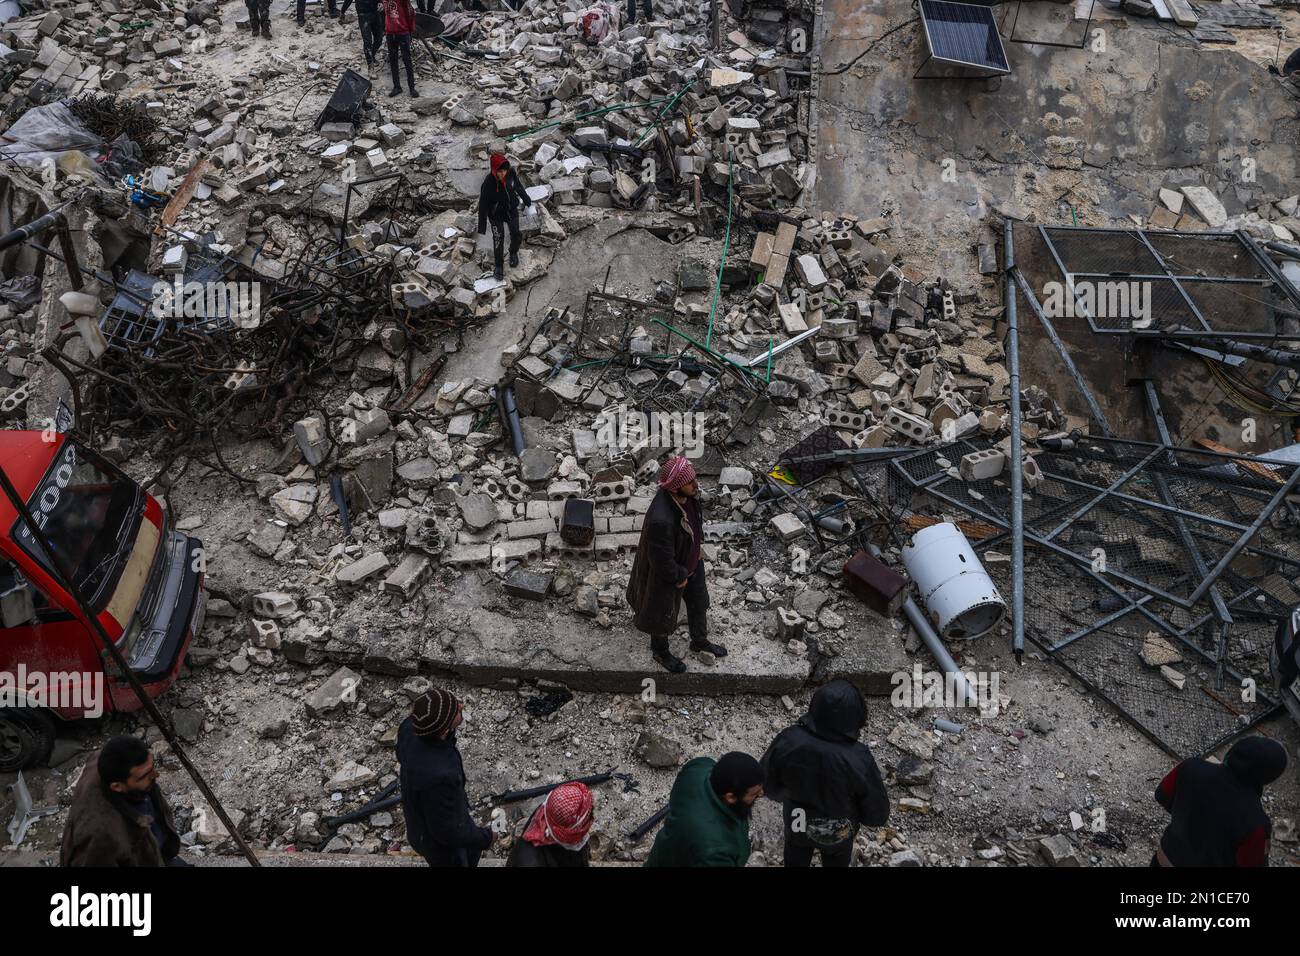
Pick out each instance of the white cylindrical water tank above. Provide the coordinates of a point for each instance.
(958, 593)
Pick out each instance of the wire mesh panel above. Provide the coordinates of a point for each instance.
(1176, 283)
(1120, 540)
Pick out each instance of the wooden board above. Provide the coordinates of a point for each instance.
(178, 202)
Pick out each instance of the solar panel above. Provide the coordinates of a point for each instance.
(964, 35)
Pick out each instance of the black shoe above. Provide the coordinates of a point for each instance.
(414, 93)
(498, 273)
(514, 260)
(717, 650)
(397, 91)
(674, 665)
(302, 23)
(266, 31)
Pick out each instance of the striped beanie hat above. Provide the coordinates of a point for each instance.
(433, 713)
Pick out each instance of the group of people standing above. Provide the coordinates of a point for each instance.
(379, 21)
(818, 769)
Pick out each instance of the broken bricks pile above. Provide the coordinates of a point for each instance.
(61, 49)
(1196, 208)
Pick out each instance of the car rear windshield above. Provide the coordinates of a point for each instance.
(88, 511)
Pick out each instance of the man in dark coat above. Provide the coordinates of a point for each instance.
(556, 834)
(826, 779)
(1217, 814)
(370, 18)
(438, 824)
(118, 815)
(499, 199)
(669, 568)
(708, 813)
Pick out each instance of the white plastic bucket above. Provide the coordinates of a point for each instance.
(959, 595)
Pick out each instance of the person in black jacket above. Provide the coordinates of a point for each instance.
(498, 203)
(438, 824)
(669, 568)
(827, 781)
(1217, 815)
(556, 834)
(370, 18)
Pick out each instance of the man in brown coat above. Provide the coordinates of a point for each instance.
(669, 568)
(118, 815)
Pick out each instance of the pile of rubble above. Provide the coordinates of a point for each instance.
(61, 49)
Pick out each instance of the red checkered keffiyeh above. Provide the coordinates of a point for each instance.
(675, 473)
(564, 818)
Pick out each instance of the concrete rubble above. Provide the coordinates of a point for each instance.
(373, 527)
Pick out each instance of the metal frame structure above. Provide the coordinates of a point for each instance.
(1202, 521)
(1083, 40)
(1080, 254)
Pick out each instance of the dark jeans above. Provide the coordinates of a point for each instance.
(259, 12)
(499, 238)
(696, 598)
(302, 9)
(370, 18)
(631, 10)
(401, 42)
(798, 854)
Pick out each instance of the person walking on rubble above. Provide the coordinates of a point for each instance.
(631, 11)
(825, 778)
(370, 19)
(556, 834)
(1216, 811)
(669, 567)
(499, 199)
(118, 815)
(302, 11)
(259, 17)
(708, 813)
(438, 823)
(399, 24)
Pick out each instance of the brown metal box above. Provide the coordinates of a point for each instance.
(877, 585)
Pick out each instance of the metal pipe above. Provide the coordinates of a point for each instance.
(32, 229)
(510, 416)
(1017, 469)
(1261, 353)
(787, 344)
(1244, 540)
(1061, 351)
(639, 834)
(916, 617)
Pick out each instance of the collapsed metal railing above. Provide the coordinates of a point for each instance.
(1125, 540)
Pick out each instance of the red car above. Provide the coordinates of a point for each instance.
(142, 580)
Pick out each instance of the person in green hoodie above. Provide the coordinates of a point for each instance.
(708, 813)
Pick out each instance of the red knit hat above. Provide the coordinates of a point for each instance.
(676, 472)
(565, 817)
